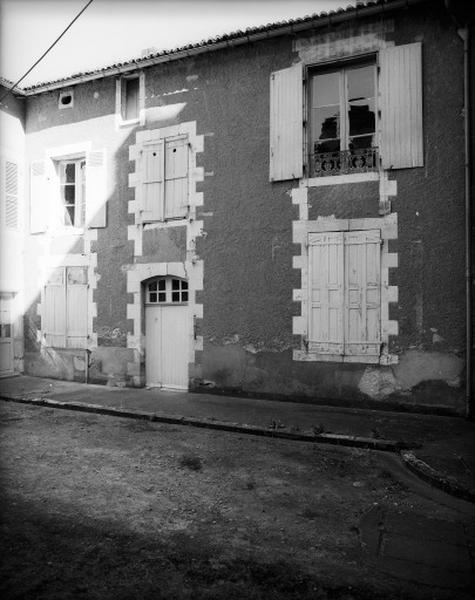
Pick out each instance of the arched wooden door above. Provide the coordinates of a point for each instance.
(167, 333)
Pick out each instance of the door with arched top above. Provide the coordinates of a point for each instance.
(167, 333)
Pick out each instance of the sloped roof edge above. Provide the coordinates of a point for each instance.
(236, 38)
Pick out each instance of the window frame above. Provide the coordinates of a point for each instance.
(64, 285)
(121, 99)
(162, 204)
(341, 67)
(80, 193)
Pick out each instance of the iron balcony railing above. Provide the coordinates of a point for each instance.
(344, 161)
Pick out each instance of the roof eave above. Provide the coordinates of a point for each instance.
(314, 22)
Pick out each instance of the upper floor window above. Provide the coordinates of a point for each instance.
(9, 178)
(342, 120)
(66, 99)
(130, 98)
(352, 108)
(72, 184)
(165, 171)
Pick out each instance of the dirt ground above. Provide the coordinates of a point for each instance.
(99, 507)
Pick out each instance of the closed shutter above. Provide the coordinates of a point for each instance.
(286, 124)
(362, 293)
(11, 194)
(153, 168)
(76, 307)
(39, 204)
(326, 293)
(96, 189)
(53, 310)
(176, 177)
(401, 106)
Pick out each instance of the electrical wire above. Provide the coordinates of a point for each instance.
(46, 52)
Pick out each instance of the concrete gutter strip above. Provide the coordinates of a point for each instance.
(435, 478)
(319, 438)
(417, 466)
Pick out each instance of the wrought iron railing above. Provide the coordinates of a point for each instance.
(343, 161)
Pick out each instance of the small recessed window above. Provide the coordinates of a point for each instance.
(66, 99)
(172, 290)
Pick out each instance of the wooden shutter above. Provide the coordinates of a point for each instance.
(96, 189)
(76, 307)
(401, 106)
(362, 293)
(53, 309)
(11, 194)
(176, 177)
(153, 168)
(39, 204)
(286, 124)
(326, 293)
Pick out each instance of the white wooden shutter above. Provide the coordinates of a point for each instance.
(326, 293)
(286, 124)
(176, 177)
(96, 189)
(401, 106)
(39, 204)
(11, 194)
(76, 307)
(153, 170)
(362, 293)
(53, 310)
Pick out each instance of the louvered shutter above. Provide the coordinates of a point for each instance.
(76, 307)
(11, 194)
(153, 167)
(39, 202)
(401, 106)
(326, 293)
(286, 124)
(53, 309)
(176, 177)
(96, 189)
(362, 293)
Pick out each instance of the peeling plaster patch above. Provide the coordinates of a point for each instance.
(350, 41)
(378, 383)
(416, 366)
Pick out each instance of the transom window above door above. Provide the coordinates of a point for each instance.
(167, 290)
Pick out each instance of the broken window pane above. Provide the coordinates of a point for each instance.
(152, 286)
(77, 275)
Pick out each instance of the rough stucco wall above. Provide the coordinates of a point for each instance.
(345, 201)
(163, 245)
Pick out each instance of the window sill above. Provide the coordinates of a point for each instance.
(63, 231)
(128, 123)
(383, 359)
(340, 179)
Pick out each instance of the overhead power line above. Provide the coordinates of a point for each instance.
(46, 52)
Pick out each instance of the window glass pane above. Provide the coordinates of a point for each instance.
(326, 123)
(69, 194)
(175, 296)
(77, 275)
(131, 100)
(5, 330)
(362, 118)
(326, 89)
(152, 286)
(360, 83)
(70, 172)
(184, 296)
(175, 284)
(361, 143)
(161, 284)
(153, 297)
(162, 297)
(184, 285)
